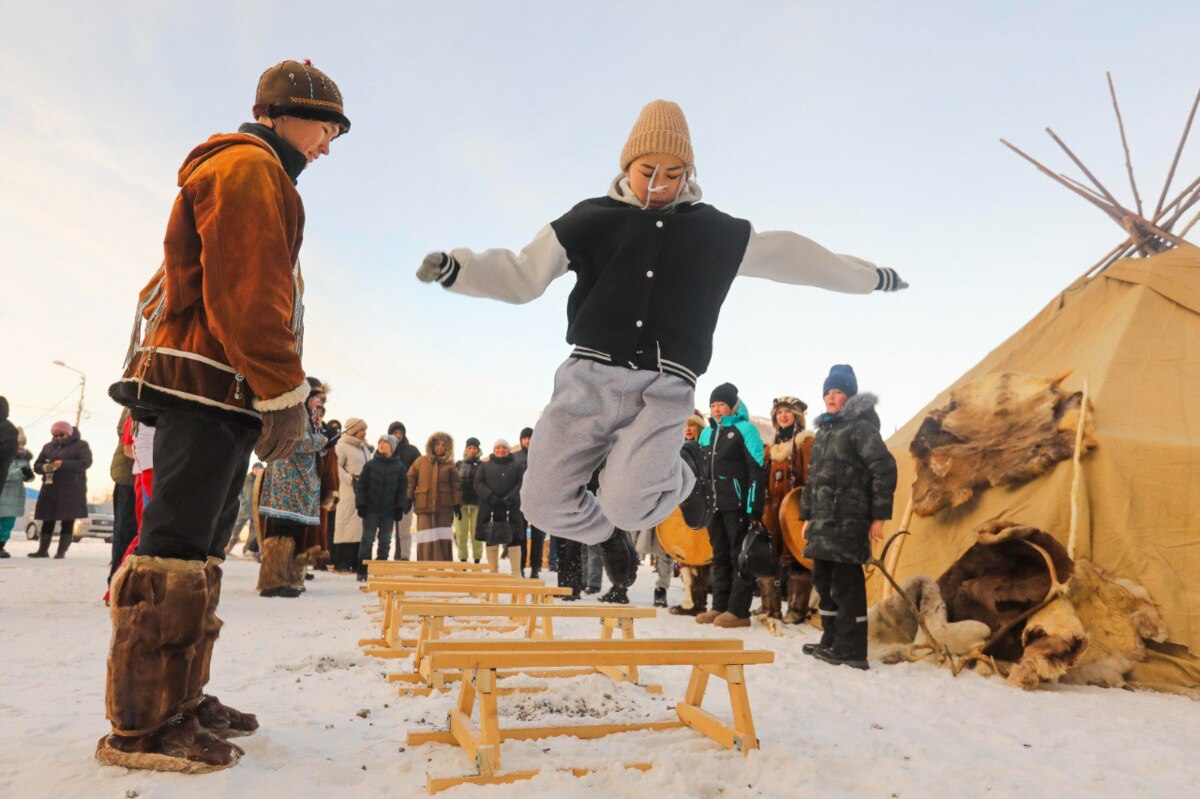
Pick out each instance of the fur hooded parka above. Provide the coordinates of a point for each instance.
(433, 482)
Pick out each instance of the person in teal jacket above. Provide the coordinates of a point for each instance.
(732, 451)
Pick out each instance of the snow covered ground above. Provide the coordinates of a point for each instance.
(899, 731)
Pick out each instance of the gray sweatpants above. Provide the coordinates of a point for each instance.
(631, 417)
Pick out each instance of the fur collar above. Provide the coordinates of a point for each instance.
(860, 406)
(783, 450)
(433, 439)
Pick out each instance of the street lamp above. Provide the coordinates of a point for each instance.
(82, 386)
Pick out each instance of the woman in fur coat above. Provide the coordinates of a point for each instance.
(787, 469)
(290, 502)
(353, 452)
(435, 491)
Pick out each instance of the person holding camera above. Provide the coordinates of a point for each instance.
(63, 464)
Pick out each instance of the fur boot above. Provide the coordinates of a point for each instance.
(158, 610)
(299, 570)
(695, 580)
(275, 570)
(799, 594)
(771, 605)
(215, 717)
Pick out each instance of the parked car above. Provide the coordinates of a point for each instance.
(98, 524)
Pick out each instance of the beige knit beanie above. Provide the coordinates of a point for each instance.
(660, 128)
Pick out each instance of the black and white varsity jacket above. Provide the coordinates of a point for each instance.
(650, 283)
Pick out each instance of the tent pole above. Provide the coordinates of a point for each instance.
(1178, 151)
(1125, 144)
(894, 555)
(1077, 477)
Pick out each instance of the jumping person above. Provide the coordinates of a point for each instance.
(848, 496)
(219, 373)
(653, 266)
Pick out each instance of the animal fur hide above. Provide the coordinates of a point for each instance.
(896, 634)
(1092, 632)
(1002, 429)
(1000, 577)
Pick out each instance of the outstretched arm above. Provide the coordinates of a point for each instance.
(499, 274)
(787, 257)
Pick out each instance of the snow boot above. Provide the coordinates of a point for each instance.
(799, 592)
(660, 597)
(707, 617)
(680, 610)
(697, 507)
(728, 621)
(771, 606)
(362, 575)
(620, 560)
(615, 596)
(158, 608)
(275, 570)
(43, 550)
(4, 553)
(833, 658)
(214, 716)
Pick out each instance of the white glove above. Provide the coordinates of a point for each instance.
(888, 280)
(433, 266)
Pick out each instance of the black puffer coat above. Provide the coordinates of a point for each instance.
(851, 481)
(382, 488)
(498, 484)
(467, 469)
(66, 497)
(8, 438)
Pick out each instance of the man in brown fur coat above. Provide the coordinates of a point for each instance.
(218, 370)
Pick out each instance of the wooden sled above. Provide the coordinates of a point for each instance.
(480, 667)
(433, 631)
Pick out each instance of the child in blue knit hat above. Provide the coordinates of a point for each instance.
(848, 496)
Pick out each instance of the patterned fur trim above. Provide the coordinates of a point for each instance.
(294, 397)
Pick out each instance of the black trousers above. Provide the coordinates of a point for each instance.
(731, 592)
(124, 524)
(200, 464)
(570, 563)
(537, 540)
(65, 536)
(842, 591)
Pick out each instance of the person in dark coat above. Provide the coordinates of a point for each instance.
(536, 540)
(408, 454)
(732, 451)
(8, 438)
(851, 483)
(498, 486)
(465, 527)
(63, 464)
(381, 498)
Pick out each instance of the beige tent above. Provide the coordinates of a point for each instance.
(1133, 333)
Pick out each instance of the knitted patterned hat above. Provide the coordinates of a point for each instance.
(299, 89)
(660, 128)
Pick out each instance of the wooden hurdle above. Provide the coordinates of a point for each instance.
(394, 593)
(481, 663)
(434, 615)
(384, 568)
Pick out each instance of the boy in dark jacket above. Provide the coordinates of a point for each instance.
(732, 450)
(381, 499)
(851, 481)
(653, 266)
(465, 526)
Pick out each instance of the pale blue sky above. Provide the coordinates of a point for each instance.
(870, 127)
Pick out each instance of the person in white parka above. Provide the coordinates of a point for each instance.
(353, 452)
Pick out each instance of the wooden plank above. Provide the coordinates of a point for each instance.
(707, 724)
(571, 645)
(486, 609)
(436, 784)
(583, 732)
(592, 657)
(472, 741)
(739, 702)
(696, 687)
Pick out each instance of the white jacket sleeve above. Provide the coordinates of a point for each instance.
(504, 275)
(787, 257)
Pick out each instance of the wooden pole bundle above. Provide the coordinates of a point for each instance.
(1144, 236)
